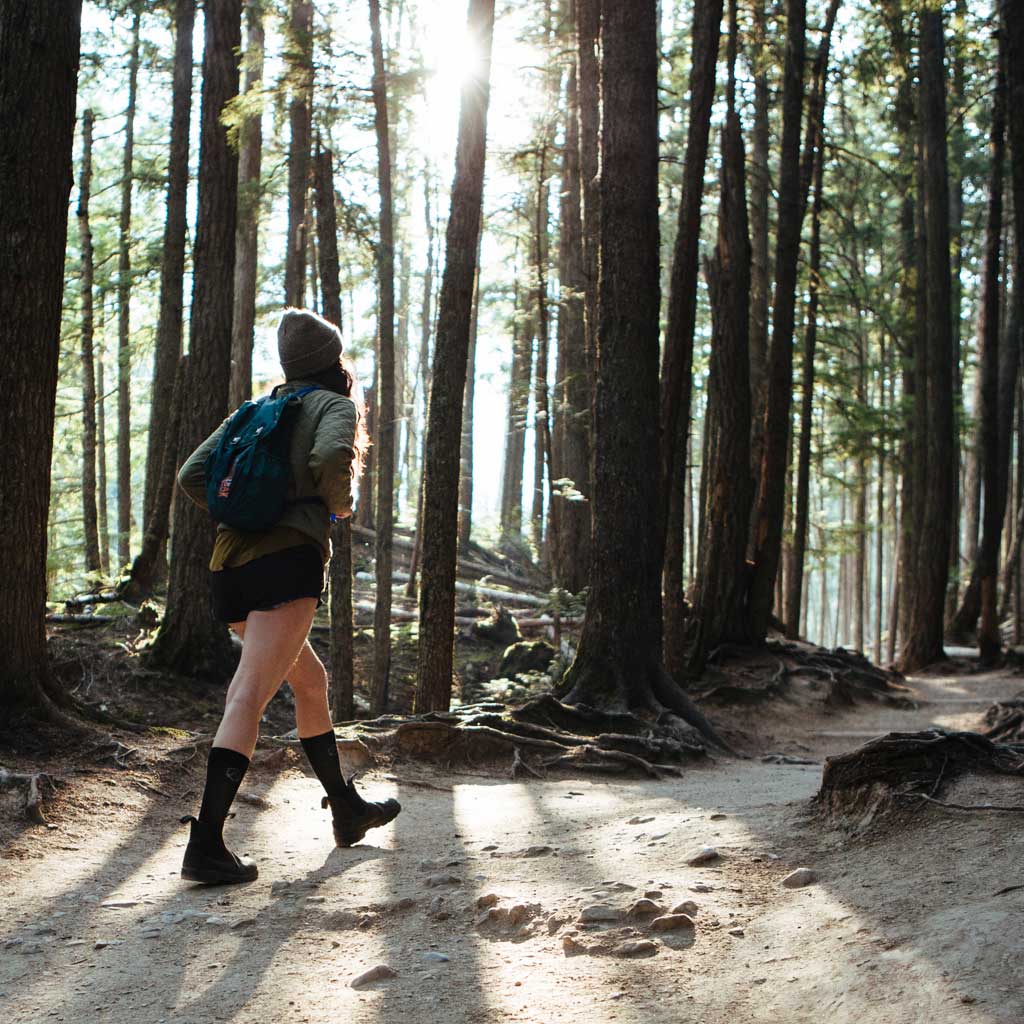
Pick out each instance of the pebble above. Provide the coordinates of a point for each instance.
(538, 851)
(600, 912)
(216, 922)
(686, 907)
(799, 878)
(487, 900)
(639, 821)
(243, 922)
(571, 947)
(154, 933)
(701, 887)
(644, 908)
(738, 932)
(704, 855)
(672, 922)
(636, 947)
(379, 973)
(433, 881)
(653, 894)
(522, 912)
(119, 904)
(103, 943)
(438, 958)
(718, 817)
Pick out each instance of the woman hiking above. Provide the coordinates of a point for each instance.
(267, 585)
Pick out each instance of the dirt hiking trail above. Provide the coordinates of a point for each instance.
(473, 896)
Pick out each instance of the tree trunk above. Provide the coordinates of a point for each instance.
(677, 361)
(574, 388)
(364, 513)
(39, 46)
(542, 413)
(466, 449)
(124, 291)
(760, 194)
(933, 480)
(89, 515)
(340, 573)
(995, 439)
(101, 456)
(794, 583)
(618, 663)
(426, 323)
(168, 346)
(147, 565)
(520, 376)
(444, 425)
(385, 462)
(588, 29)
(190, 640)
(720, 608)
(299, 58)
(250, 155)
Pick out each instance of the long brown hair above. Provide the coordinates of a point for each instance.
(340, 378)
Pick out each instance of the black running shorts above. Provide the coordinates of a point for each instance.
(268, 582)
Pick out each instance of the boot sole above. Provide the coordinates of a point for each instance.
(211, 876)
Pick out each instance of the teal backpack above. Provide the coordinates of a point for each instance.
(249, 472)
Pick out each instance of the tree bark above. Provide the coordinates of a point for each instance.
(760, 194)
(250, 155)
(542, 412)
(340, 573)
(933, 481)
(190, 640)
(677, 361)
(168, 347)
(147, 565)
(767, 539)
(520, 375)
(995, 410)
(89, 514)
(720, 608)
(39, 46)
(124, 291)
(101, 455)
(466, 449)
(444, 425)
(385, 425)
(794, 582)
(618, 662)
(574, 388)
(588, 31)
(299, 58)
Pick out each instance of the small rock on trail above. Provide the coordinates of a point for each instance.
(672, 922)
(600, 912)
(636, 947)
(379, 973)
(799, 878)
(705, 855)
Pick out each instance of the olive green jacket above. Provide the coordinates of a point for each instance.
(323, 436)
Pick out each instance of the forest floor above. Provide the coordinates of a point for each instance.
(908, 920)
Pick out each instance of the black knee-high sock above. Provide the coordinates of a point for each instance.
(322, 752)
(225, 770)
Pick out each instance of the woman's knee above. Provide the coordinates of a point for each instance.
(308, 679)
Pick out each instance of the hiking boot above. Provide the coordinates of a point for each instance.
(209, 861)
(356, 816)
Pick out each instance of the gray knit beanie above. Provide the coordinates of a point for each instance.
(306, 343)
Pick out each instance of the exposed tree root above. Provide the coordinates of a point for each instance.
(876, 776)
(537, 736)
(1005, 721)
(741, 675)
(23, 794)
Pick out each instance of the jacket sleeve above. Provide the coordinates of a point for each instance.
(191, 478)
(330, 460)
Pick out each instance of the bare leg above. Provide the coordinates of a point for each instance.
(308, 680)
(273, 640)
